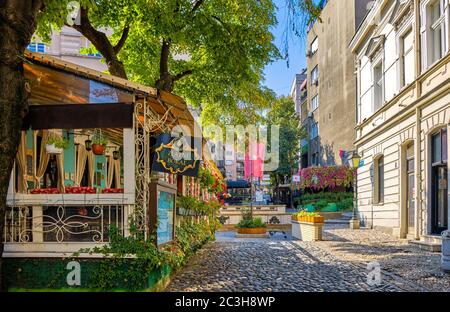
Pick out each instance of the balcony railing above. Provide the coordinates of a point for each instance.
(61, 224)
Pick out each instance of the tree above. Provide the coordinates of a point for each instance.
(283, 113)
(211, 52)
(18, 21)
(227, 42)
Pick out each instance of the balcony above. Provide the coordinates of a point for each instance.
(62, 224)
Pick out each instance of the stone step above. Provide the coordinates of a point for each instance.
(337, 221)
(428, 246)
(435, 239)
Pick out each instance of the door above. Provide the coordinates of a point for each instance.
(440, 204)
(411, 203)
(410, 198)
(439, 182)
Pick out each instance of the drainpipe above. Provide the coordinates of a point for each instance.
(418, 173)
(418, 143)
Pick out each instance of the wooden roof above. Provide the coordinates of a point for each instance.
(61, 86)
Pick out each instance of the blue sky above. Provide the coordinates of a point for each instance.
(278, 76)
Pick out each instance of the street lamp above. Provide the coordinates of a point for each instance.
(354, 163)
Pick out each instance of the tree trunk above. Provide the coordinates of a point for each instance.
(17, 25)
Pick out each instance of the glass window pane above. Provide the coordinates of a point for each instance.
(444, 145)
(381, 180)
(436, 148)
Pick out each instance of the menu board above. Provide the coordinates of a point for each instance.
(166, 204)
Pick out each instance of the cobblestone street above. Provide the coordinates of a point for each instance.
(337, 264)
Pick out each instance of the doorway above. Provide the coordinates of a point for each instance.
(439, 182)
(410, 198)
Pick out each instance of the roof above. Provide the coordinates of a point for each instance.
(56, 84)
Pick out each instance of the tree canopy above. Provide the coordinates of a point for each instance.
(211, 52)
(283, 113)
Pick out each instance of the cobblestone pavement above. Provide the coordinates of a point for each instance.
(280, 264)
(397, 258)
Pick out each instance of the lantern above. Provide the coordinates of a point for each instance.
(355, 160)
(116, 155)
(88, 144)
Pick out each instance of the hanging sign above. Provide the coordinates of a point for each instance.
(176, 156)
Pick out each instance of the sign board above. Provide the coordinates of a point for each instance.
(176, 156)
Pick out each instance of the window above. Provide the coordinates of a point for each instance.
(439, 147)
(314, 46)
(434, 32)
(439, 182)
(36, 47)
(407, 58)
(378, 86)
(379, 180)
(315, 75)
(314, 103)
(314, 133)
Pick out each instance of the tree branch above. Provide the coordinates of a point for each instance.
(183, 74)
(122, 39)
(221, 23)
(101, 43)
(164, 60)
(196, 5)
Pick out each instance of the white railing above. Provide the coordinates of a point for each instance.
(62, 223)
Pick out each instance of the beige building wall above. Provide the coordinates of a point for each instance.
(336, 87)
(408, 116)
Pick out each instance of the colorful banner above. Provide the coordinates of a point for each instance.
(254, 161)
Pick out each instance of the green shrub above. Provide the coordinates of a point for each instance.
(251, 223)
(343, 200)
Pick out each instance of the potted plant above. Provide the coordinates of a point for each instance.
(55, 145)
(250, 226)
(99, 145)
(253, 226)
(307, 226)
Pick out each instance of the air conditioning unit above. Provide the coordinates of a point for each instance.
(308, 53)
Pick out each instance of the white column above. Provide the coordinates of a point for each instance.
(38, 235)
(129, 181)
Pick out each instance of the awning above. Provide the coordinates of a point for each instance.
(69, 116)
(238, 184)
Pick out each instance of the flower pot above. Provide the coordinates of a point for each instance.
(252, 230)
(98, 149)
(52, 149)
(318, 219)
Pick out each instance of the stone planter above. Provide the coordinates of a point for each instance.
(252, 230)
(307, 231)
(445, 260)
(252, 233)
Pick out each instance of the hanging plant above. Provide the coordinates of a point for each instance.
(55, 145)
(206, 178)
(99, 142)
